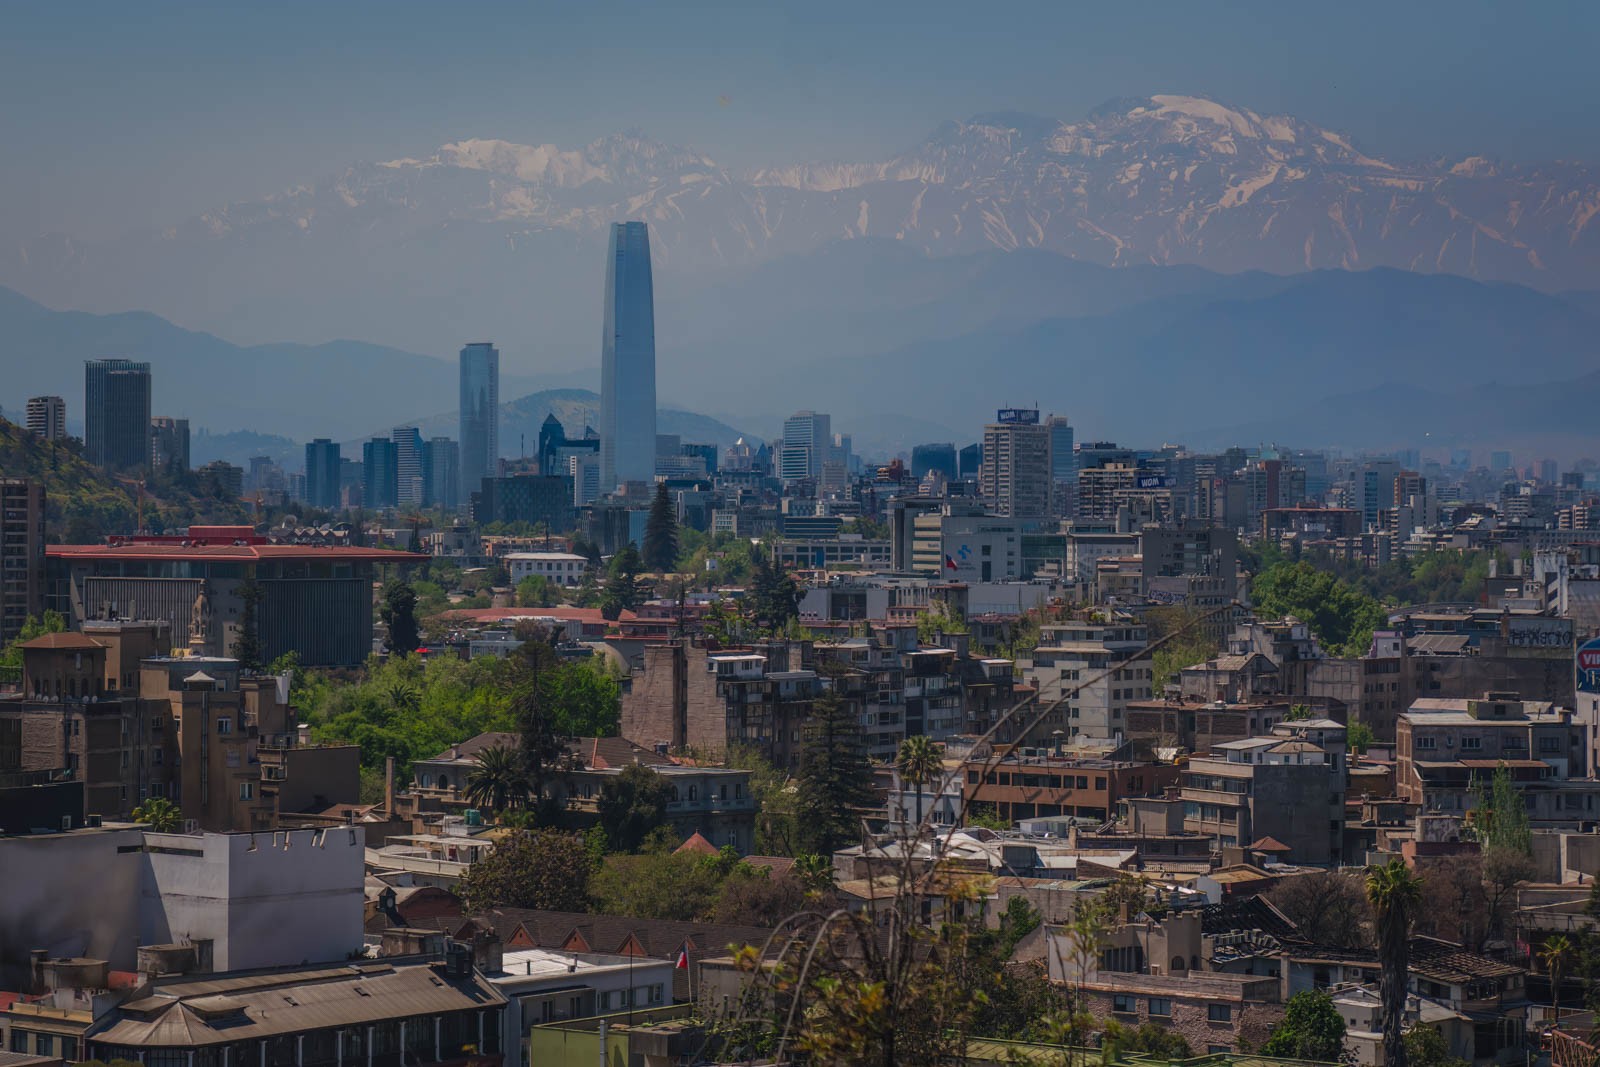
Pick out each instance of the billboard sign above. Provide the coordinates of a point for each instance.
(1589, 666)
(1154, 481)
(1028, 416)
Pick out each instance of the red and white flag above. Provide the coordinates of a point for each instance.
(683, 960)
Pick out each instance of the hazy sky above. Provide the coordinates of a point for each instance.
(123, 115)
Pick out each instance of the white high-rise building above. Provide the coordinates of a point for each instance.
(1015, 479)
(408, 465)
(811, 431)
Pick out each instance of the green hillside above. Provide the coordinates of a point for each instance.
(84, 503)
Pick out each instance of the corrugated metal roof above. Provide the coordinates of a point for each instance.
(205, 1010)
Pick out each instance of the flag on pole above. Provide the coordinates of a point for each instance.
(683, 960)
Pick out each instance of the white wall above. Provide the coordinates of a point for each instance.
(265, 899)
(71, 894)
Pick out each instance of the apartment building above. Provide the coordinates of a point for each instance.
(1045, 786)
(1098, 667)
(22, 558)
(1444, 747)
(1288, 786)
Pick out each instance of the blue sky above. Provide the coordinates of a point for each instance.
(123, 115)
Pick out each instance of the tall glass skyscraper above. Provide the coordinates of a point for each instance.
(480, 414)
(322, 473)
(116, 413)
(628, 361)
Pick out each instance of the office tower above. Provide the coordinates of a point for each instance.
(480, 413)
(1063, 465)
(47, 417)
(934, 457)
(585, 472)
(220, 476)
(380, 484)
(628, 361)
(322, 473)
(970, 461)
(169, 443)
(116, 413)
(811, 431)
(1499, 461)
(443, 474)
(408, 465)
(1016, 465)
(21, 555)
(1548, 471)
(843, 451)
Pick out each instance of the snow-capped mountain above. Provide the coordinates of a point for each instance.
(486, 236)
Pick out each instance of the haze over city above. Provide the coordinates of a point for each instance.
(801, 535)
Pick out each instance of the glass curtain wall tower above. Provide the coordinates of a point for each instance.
(480, 415)
(628, 361)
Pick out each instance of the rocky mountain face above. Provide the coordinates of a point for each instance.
(489, 238)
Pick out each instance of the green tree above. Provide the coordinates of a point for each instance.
(497, 782)
(32, 629)
(1341, 615)
(662, 884)
(1394, 893)
(544, 754)
(623, 591)
(1426, 1047)
(1360, 736)
(537, 591)
(1312, 1029)
(661, 533)
(247, 643)
(542, 869)
(632, 804)
(835, 780)
(774, 596)
(160, 814)
(919, 764)
(398, 611)
(1190, 642)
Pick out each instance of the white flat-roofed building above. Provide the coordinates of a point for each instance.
(545, 986)
(562, 568)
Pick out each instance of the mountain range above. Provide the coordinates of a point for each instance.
(484, 237)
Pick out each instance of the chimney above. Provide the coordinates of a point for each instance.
(388, 787)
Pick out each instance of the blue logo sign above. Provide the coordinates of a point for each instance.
(1028, 416)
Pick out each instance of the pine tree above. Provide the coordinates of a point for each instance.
(622, 591)
(774, 596)
(661, 533)
(835, 779)
(247, 645)
(398, 610)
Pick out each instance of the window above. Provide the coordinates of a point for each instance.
(1125, 1004)
(1427, 742)
(224, 725)
(247, 790)
(1549, 744)
(1220, 1013)
(1161, 1006)
(1471, 744)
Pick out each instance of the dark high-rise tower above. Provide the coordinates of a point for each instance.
(116, 413)
(322, 473)
(628, 361)
(480, 414)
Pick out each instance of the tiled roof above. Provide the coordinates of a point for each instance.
(696, 843)
(68, 639)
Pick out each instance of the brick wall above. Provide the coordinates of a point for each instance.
(1190, 1017)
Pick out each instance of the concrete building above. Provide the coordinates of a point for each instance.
(1044, 786)
(1288, 786)
(1070, 661)
(479, 409)
(169, 443)
(628, 360)
(116, 414)
(1443, 747)
(312, 599)
(807, 445)
(961, 543)
(543, 986)
(562, 568)
(47, 417)
(222, 477)
(247, 900)
(1016, 479)
(22, 558)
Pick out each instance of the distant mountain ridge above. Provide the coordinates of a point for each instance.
(491, 238)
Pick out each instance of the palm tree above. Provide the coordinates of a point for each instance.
(402, 696)
(1553, 954)
(918, 763)
(1395, 894)
(497, 782)
(160, 814)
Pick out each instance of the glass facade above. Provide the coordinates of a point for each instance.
(322, 473)
(628, 361)
(116, 416)
(480, 415)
